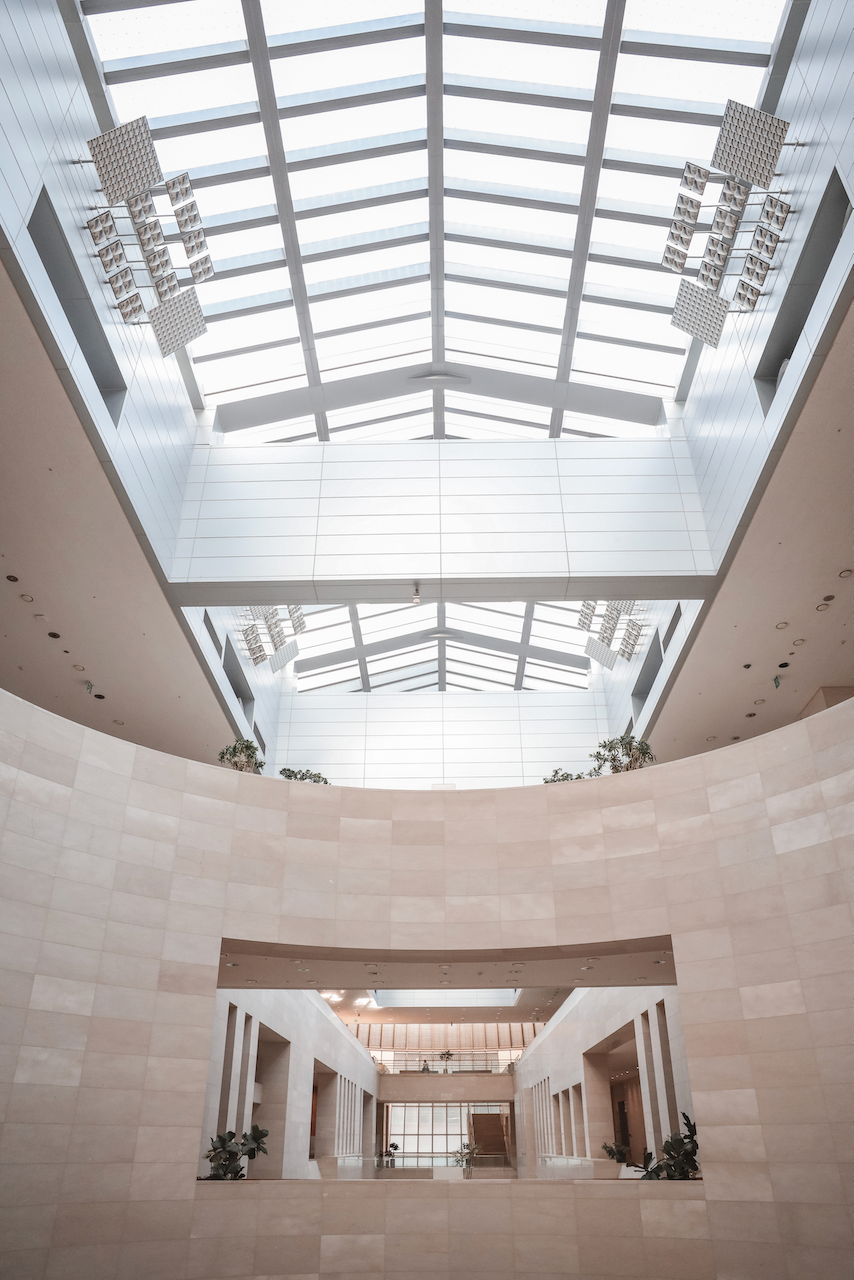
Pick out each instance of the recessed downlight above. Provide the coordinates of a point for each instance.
(10, 577)
(750, 715)
(782, 665)
(748, 665)
(781, 626)
(118, 722)
(820, 608)
(54, 635)
(77, 667)
(711, 739)
(100, 696)
(828, 597)
(758, 702)
(846, 573)
(798, 642)
(27, 599)
(736, 739)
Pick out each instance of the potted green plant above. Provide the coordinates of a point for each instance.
(679, 1163)
(226, 1154)
(303, 775)
(242, 754)
(616, 1151)
(465, 1157)
(445, 1057)
(390, 1154)
(619, 754)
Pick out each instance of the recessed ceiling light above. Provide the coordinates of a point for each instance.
(846, 573)
(711, 739)
(302, 970)
(659, 962)
(736, 739)
(77, 667)
(254, 981)
(118, 722)
(10, 577)
(748, 665)
(587, 966)
(828, 597)
(781, 665)
(100, 696)
(750, 715)
(781, 626)
(797, 642)
(232, 964)
(820, 608)
(758, 702)
(54, 635)
(29, 599)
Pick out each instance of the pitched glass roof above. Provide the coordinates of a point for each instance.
(416, 189)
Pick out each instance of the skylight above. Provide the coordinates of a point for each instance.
(426, 210)
(460, 998)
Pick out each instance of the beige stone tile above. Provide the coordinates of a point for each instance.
(117, 1070)
(481, 1251)
(351, 1253)
(773, 1035)
(157, 1181)
(736, 1181)
(289, 1214)
(822, 1225)
(99, 1223)
(95, 1183)
(773, 999)
(43, 1104)
(675, 1259)
(726, 1107)
(805, 1183)
(402, 1215)
(791, 1105)
(733, 1143)
(49, 1066)
(605, 1255)
(54, 1030)
(753, 1221)
(297, 1255)
(798, 1143)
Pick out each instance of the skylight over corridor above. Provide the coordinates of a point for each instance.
(468, 208)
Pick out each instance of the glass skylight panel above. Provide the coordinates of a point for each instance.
(506, 302)
(364, 263)
(210, 147)
(696, 81)
(242, 377)
(557, 124)
(191, 91)
(142, 31)
(236, 244)
(647, 371)
(323, 128)
(511, 419)
(662, 137)
(382, 415)
(308, 73)
(351, 222)
(403, 298)
(347, 356)
(330, 179)
(283, 16)
(224, 197)
(629, 235)
(503, 259)
(512, 219)
(755, 21)
(513, 170)
(639, 188)
(513, 60)
(628, 324)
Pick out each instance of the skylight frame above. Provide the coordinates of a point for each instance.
(522, 37)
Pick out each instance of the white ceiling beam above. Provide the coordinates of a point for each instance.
(496, 384)
(595, 151)
(262, 71)
(435, 81)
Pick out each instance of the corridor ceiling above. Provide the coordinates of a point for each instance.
(466, 209)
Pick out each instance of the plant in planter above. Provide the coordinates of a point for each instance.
(303, 775)
(616, 1151)
(390, 1154)
(445, 1057)
(242, 754)
(680, 1157)
(620, 754)
(225, 1154)
(465, 1157)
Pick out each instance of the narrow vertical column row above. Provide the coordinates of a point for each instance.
(649, 1083)
(435, 79)
(349, 1105)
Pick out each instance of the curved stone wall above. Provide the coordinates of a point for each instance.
(122, 869)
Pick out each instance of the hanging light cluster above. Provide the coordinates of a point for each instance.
(128, 169)
(747, 151)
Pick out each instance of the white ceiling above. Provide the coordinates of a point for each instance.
(795, 547)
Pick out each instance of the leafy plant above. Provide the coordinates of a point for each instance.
(225, 1154)
(303, 775)
(680, 1156)
(446, 1055)
(466, 1154)
(619, 754)
(616, 1151)
(242, 754)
